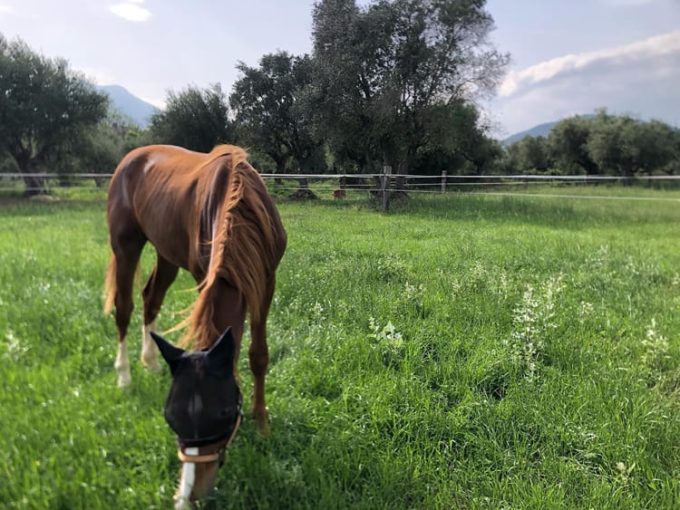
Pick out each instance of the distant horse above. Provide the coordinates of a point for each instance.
(211, 215)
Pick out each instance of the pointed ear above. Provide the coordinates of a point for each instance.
(170, 353)
(222, 353)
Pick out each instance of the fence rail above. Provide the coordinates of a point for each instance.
(380, 186)
(528, 177)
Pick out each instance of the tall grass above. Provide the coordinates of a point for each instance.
(458, 352)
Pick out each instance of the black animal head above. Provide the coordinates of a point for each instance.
(204, 402)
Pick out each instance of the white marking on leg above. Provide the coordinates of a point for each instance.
(122, 365)
(186, 483)
(149, 348)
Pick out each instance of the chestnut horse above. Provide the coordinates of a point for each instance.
(211, 215)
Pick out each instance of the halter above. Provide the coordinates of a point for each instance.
(212, 452)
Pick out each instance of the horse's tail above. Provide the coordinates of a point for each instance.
(110, 286)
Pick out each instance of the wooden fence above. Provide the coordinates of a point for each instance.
(381, 187)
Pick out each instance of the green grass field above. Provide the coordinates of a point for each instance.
(458, 352)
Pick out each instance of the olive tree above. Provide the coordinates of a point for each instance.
(45, 110)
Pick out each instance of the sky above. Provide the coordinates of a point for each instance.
(568, 56)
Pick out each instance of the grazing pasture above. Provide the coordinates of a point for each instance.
(459, 352)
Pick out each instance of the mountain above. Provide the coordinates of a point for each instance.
(138, 110)
(540, 130)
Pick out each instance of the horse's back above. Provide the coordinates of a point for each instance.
(152, 191)
(171, 196)
(145, 166)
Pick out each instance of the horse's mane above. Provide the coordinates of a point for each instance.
(243, 240)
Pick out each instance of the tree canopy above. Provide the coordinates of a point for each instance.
(603, 144)
(194, 118)
(45, 109)
(274, 112)
(383, 71)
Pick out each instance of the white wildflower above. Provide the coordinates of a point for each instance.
(585, 310)
(532, 320)
(656, 346)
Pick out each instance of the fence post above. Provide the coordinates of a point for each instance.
(385, 187)
(443, 181)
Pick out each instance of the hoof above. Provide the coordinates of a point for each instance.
(122, 365)
(152, 365)
(124, 378)
(262, 421)
(183, 504)
(124, 381)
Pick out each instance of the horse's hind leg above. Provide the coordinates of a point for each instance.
(154, 291)
(259, 359)
(126, 250)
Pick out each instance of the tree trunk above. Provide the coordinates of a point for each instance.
(627, 173)
(34, 186)
(589, 167)
(399, 185)
(377, 186)
(280, 169)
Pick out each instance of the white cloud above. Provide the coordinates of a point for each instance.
(641, 79)
(6, 9)
(98, 76)
(654, 47)
(130, 11)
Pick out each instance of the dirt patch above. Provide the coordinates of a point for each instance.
(303, 194)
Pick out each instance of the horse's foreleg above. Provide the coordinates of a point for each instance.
(154, 292)
(259, 360)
